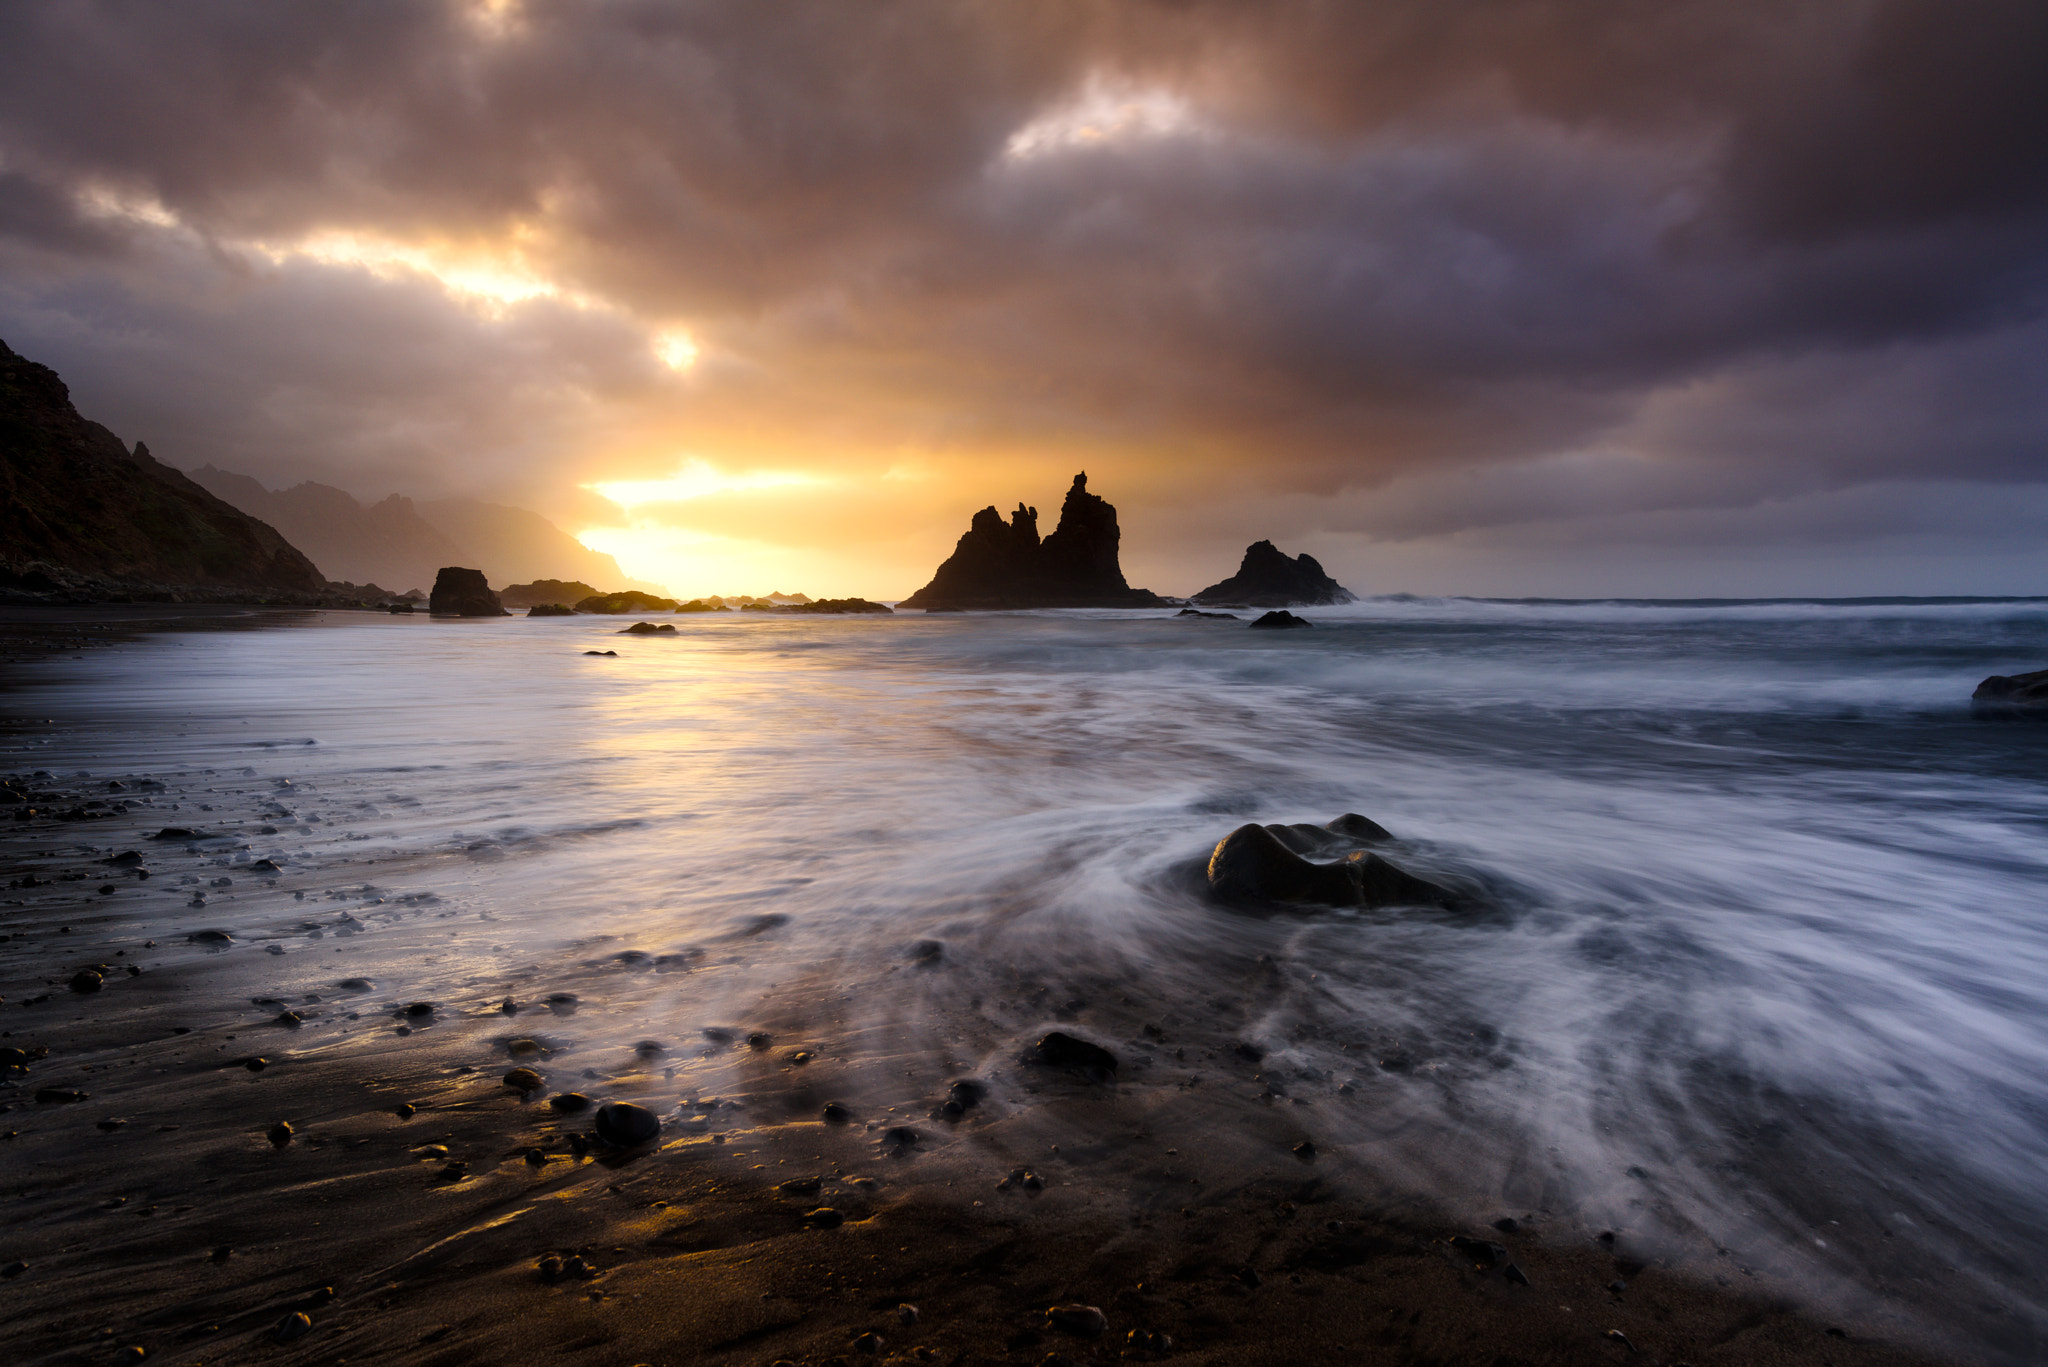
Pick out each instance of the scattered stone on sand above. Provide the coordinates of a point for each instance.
(405, 1110)
(417, 1009)
(907, 1314)
(255, 1065)
(550, 1268)
(927, 953)
(836, 1114)
(211, 937)
(625, 1125)
(109, 1125)
(86, 980)
(523, 1048)
(869, 1342)
(281, 1133)
(569, 1103)
(296, 1325)
(536, 1158)
(60, 1096)
(431, 1152)
(524, 1080)
(800, 1186)
(1305, 1151)
(1482, 1253)
(455, 1171)
(291, 1020)
(1278, 620)
(1082, 1321)
(898, 1140)
(824, 1217)
(1515, 1275)
(1146, 1341)
(760, 1039)
(355, 985)
(1061, 1050)
(13, 1270)
(1617, 1336)
(509, 1007)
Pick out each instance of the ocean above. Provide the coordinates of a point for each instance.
(1753, 966)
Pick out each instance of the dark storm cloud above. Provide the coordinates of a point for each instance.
(1353, 244)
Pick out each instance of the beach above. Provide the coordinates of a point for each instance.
(1729, 1056)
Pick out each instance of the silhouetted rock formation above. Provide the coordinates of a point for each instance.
(463, 593)
(632, 600)
(1269, 578)
(1195, 612)
(547, 609)
(1255, 867)
(1004, 565)
(80, 515)
(647, 629)
(839, 605)
(2017, 694)
(1279, 621)
(545, 591)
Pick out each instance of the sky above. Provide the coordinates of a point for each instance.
(1498, 297)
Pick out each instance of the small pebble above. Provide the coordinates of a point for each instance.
(569, 1103)
(86, 981)
(293, 1326)
(256, 1065)
(524, 1080)
(906, 1314)
(836, 1114)
(1305, 1151)
(535, 1158)
(222, 1253)
(1617, 1286)
(281, 1133)
(405, 1110)
(824, 1217)
(523, 1048)
(420, 1009)
(1082, 1321)
(1515, 1275)
(550, 1268)
(868, 1343)
(624, 1125)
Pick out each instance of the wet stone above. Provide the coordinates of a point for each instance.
(800, 1186)
(524, 1080)
(1305, 1151)
(569, 1103)
(1082, 1321)
(836, 1114)
(868, 1343)
(824, 1217)
(624, 1125)
(280, 1134)
(523, 1048)
(86, 981)
(296, 1325)
(535, 1158)
(420, 1009)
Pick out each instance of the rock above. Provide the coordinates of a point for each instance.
(967, 1093)
(612, 653)
(218, 938)
(1515, 1275)
(551, 610)
(1482, 1252)
(280, 1134)
(1268, 578)
(1252, 867)
(535, 1158)
(291, 1020)
(60, 1096)
(417, 1009)
(109, 1125)
(840, 606)
(2012, 695)
(869, 1342)
(296, 1325)
(1061, 1050)
(86, 980)
(800, 1186)
(1305, 1151)
(618, 604)
(648, 629)
(900, 1139)
(907, 1314)
(524, 1080)
(463, 593)
(836, 1114)
(1005, 565)
(824, 1217)
(1082, 1321)
(569, 1103)
(545, 593)
(1195, 612)
(624, 1125)
(1279, 621)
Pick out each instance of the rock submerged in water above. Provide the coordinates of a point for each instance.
(647, 629)
(2012, 695)
(1280, 620)
(1260, 865)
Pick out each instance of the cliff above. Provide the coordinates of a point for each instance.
(1000, 564)
(1270, 578)
(75, 500)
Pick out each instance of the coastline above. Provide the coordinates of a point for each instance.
(699, 1257)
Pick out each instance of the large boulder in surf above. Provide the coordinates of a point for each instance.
(1279, 620)
(1270, 578)
(1001, 564)
(1257, 867)
(2012, 694)
(463, 593)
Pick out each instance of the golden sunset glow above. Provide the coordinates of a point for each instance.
(494, 276)
(697, 478)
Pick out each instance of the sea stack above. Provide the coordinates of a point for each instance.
(1270, 578)
(464, 593)
(1001, 564)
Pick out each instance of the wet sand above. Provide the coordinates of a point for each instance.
(410, 1212)
(158, 1212)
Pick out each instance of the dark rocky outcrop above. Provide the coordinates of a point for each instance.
(839, 605)
(463, 593)
(545, 592)
(699, 605)
(2012, 695)
(1196, 612)
(81, 514)
(1270, 578)
(547, 609)
(1000, 564)
(631, 600)
(1279, 620)
(648, 629)
(1257, 868)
